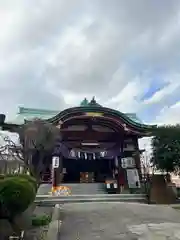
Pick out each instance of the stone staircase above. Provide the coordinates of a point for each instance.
(88, 192)
(47, 200)
(86, 188)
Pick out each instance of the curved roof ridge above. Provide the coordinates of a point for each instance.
(123, 116)
(130, 118)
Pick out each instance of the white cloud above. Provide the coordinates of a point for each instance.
(129, 98)
(168, 90)
(55, 54)
(169, 115)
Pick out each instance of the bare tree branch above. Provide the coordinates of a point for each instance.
(37, 136)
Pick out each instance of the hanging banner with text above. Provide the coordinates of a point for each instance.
(133, 178)
(55, 162)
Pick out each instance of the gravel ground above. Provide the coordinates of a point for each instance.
(110, 221)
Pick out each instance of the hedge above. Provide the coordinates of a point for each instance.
(41, 220)
(16, 194)
(24, 176)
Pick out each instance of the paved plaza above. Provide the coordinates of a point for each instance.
(44, 189)
(110, 221)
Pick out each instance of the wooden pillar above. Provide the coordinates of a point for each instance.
(118, 175)
(119, 162)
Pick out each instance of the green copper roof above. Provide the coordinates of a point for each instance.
(86, 103)
(31, 113)
(133, 117)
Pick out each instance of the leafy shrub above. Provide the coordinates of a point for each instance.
(2, 176)
(25, 176)
(41, 220)
(16, 194)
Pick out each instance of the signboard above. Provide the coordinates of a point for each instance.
(108, 185)
(115, 185)
(94, 114)
(133, 178)
(55, 162)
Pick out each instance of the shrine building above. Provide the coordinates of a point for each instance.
(97, 143)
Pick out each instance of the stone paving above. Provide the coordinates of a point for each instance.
(44, 189)
(110, 221)
(37, 233)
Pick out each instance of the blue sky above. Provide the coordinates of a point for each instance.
(156, 85)
(126, 53)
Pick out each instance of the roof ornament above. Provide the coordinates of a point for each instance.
(84, 103)
(93, 101)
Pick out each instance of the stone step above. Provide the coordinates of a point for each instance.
(63, 201)
(90, 200)
(86, 188)
(52, 200)
(122, 196)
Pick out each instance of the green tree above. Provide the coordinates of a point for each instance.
(166, 148)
